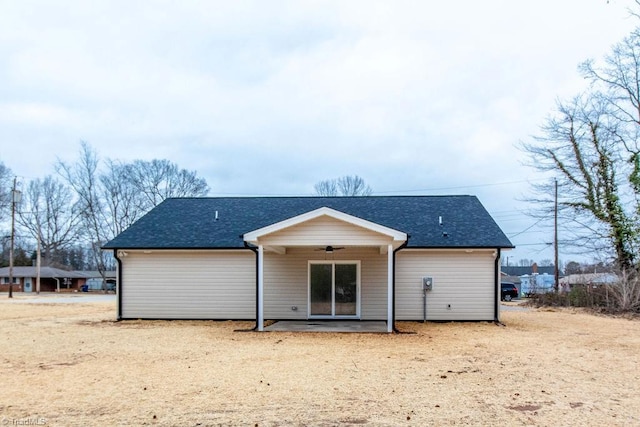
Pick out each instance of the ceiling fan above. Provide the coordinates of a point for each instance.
(329, 249)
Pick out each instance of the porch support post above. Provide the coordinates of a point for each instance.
(260, 301)
(390, 288)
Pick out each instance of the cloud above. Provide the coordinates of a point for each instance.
(271, 97)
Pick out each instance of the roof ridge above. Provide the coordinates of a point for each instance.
(324, 197)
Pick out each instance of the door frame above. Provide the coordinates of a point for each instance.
(333, 290)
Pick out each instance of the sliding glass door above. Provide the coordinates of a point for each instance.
(333, 289)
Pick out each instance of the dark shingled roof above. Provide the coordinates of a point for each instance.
(521, 271)
(45, 272)
(190, 223)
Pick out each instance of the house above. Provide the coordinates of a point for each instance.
(530, 280)
(535, 283)
(97, 281)
(51, 279)
(517, 271)
(277, 258)
(587, 279)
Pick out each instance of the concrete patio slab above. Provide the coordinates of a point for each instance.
(328, 326)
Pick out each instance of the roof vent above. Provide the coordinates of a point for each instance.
(216, 215)
(440, 220)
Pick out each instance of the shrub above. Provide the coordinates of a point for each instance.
(625, 294)
(550, 299)
(620, 297)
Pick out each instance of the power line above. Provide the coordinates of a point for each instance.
(399, 192)
(459, 187)
(528, 228)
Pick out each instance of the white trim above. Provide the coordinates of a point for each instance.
(488, 251)
(390, 289)
(333, 284)
(254, 236)
(260, 301)
(280, 250)
(118, 290)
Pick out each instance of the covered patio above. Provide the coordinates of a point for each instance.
(353, 326)
(333, 288)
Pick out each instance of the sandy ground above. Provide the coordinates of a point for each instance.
(71, 364)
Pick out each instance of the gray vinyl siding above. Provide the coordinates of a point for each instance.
(286, 281)
(188, 285)
(465, 281)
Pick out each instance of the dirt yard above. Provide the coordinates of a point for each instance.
(72, 364)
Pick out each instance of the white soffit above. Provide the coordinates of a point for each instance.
(254, 236)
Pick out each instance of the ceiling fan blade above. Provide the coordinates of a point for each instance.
(330, 248)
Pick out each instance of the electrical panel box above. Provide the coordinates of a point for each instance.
(427, 283)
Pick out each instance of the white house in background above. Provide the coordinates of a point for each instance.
(277, 258)
(594, 279)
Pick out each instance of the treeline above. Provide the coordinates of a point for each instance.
(86, 203)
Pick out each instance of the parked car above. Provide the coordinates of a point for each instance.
(110, 287)
(509, 291)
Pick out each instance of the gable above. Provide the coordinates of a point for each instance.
(324, 231)
(325, 226)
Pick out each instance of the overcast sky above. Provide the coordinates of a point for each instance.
(270, 97)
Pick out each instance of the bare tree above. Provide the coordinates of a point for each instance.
(83, 177)
(580, 145)
(626, 292)
(47, 211)
(617, 83)
(525, 262)
(123, 201)
(593, 145)
(5, 189)
(349, 185)
(353, 185)
(157, 180)
(327, 188)
(112, 195)
(573, 267)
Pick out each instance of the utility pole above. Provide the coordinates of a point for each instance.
(556, 272)
(14, 197)
(38, 262)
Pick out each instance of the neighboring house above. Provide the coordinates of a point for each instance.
(530, 280)
(51, 279)
(593, 279)
(96, 282)
(518, 271)
(510, 279)
(277, 258)
(531, 284)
